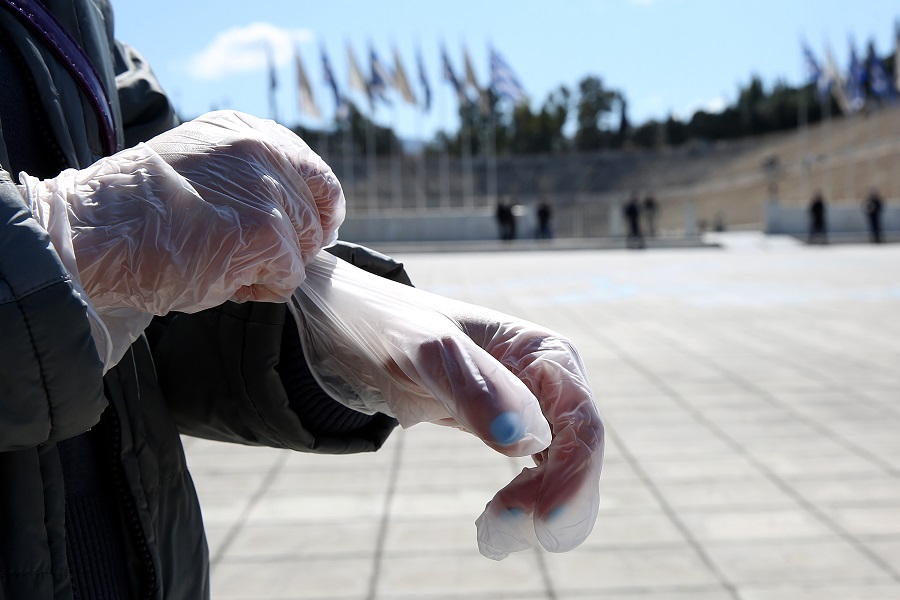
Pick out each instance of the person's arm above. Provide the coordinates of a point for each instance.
(237, 373)
(146, 109)
(227, 206)
(50, 371)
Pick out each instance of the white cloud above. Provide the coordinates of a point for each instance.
(713, 105)
(242, 49)
(716, 105)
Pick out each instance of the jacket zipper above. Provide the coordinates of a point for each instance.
(129, 508)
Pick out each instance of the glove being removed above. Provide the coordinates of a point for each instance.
(227, 206)
(376, 345)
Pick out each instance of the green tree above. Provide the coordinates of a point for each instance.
(595, 103)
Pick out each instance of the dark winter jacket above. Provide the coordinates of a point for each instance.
(232, 373)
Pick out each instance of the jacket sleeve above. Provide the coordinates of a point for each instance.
(230, 374)
(145, 107)
(50, 372)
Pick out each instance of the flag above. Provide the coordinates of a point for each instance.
(307, 101)
(504, 81)
(450, 76)
(423, 80)
(837, 89)
(856, 81)
(380, 78)
(472, 82)
(815, 74)
(471, 79)
(341, 110)
(273, 83)
(879, 81)
(897, 56)
(401, 82)
(270, 60)
(355, 78)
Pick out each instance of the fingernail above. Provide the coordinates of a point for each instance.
(506, 428)
(556, 513)
(514, 512)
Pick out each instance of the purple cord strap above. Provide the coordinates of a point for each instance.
(36, 17)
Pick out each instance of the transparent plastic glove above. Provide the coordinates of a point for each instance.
(227, 206)
(376, 345)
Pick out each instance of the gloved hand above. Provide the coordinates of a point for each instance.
(227, 206)
(380, 346)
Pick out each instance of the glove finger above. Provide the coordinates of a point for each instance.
(554, 504)
(550, 367)
(482, 395)
(506, 525)
(569, 498)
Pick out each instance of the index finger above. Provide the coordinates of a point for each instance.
(562, 494)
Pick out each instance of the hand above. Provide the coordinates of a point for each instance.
(227, 206)
(379, 346)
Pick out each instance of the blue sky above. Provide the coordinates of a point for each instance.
(665, 55)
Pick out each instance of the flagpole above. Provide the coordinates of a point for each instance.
(468, 193)
(421, 189)
(395, 161)
(803, 121)
(445, 157)
(349, 151)
(492, 159)
(371, 162)
(273, 83)
(829, 144)
(420, 164)
(466, 107)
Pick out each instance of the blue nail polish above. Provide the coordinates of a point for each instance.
(556, 513)
(514, 512)
(506, 428)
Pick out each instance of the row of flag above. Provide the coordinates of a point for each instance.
(849, 90)
(380, 79)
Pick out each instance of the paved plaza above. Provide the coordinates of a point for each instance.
(751, 394)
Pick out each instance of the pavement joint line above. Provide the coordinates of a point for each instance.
(667, 508)
(765, 395)
(737, 446)
(672, 514)
(844, 388)
(238, 524)
(381, 537)
(833, 320)
(773, 477)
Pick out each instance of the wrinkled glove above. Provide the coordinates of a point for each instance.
(376, 345)
(227, 206)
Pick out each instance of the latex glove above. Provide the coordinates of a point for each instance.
(227, 206)
(376, 345)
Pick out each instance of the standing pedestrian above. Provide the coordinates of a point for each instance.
(872, 206)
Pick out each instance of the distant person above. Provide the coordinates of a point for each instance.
(650, 209)
(504, 220)
(817, 230)
(719, 224)
(511, 222)
(544, 215)
(872, 206)
(632, 212)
